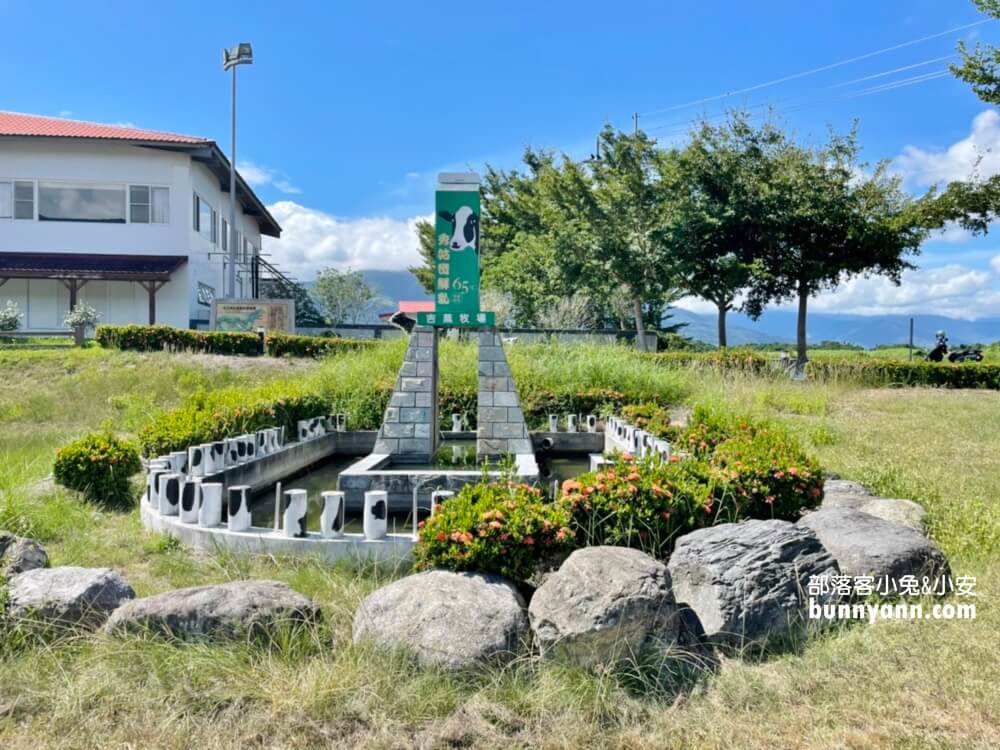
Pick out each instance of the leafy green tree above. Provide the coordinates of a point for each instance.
(831, 222)
(607, 219)
(344, 296)
(722, 208)
(424, 273)
(306, 314)
(980, 67)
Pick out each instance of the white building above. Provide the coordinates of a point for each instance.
(132, 222)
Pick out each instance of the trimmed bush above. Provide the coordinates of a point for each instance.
(284, 345)
(98, 465)
(649, 417)
(138, 338)
(506, 529)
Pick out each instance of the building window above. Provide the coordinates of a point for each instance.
(102, 204)
(224, 244)
(24, 200)
(6, 200)
(205, 219)
(149, 205)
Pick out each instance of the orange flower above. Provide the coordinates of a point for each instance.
(633, 477)
(495, 524)
(441, 536)
(627, 457)
(588, 490)
(793, 471)
(632, 489)
(529, 540)
(570, 485)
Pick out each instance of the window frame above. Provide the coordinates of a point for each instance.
(15, 200)
(57, 184)
(151, 188)
(10, 202)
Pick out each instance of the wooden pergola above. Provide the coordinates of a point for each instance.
(74, 270)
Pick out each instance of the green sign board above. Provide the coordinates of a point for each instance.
(456, 254)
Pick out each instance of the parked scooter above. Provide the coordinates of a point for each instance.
(938, 353)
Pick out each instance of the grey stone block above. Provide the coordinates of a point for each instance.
(401, 399)
(505, 398)
(494, 384)
(501, 368)
(425, 339)
(421, 430)
(519, 446)
(386, 445)
(415, 445)
(415, 384)
(488, 338)
(424, 369)
(415, 415)
(408, 369)
(484, 430)
(392, 414)
(421, 354)
(493, 414)
(489, 447)
(509, 430)
(486, 368)
(422, 399)
(514, 414)
(491, 354)
(485, 398)
(397, 430)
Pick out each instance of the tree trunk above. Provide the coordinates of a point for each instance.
(723, 309)
(800, 331)
(640, 338)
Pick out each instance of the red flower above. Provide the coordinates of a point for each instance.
(529, 540)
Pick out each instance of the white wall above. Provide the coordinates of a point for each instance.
(75, 160)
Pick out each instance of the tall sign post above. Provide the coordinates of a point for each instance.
(456, 255)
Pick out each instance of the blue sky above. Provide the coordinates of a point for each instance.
(352, 108)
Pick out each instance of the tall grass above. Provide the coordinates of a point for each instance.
(904, 684)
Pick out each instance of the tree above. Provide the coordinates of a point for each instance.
(980, 67)
(426, 247)
(830, 222)
(606, 219)
(343, 296)
(721, 197)
(306, 314)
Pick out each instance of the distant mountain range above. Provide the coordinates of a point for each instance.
(774, 325)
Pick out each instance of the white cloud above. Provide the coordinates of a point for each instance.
(258, 176)
(977, 153)
(312, 240)
(951, 234)
(65, 112)
(952, 290)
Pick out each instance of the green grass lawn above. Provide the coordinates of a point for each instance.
(913, 684)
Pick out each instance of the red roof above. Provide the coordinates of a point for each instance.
(416, 306)
(17, 124)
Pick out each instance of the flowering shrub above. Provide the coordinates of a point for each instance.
(500, 528)
(649, 417)
(82, 316)
(640, 504)
(765, 475)
(10, 316)
(98, 465)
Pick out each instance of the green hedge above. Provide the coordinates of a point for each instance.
(139, 338)
(284, 345)
(98, 465)
(867, 371)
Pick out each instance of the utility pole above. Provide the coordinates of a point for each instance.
(635, 124)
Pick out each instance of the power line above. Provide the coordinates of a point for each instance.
(820, 69)
(894, 70)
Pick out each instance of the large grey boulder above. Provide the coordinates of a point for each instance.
(865, 545)
(845, 487)
(454, 621)
(840, 493)
(748, 581)
(220, 612)
(18, 554)
(603, 605)
(66, 596)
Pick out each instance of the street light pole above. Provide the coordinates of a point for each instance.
(241, 54)
(231, 280)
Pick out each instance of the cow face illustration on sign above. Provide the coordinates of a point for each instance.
(464, 229)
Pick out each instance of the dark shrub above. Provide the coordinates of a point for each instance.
(284, 345)
(98, 465)
(156, 338)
